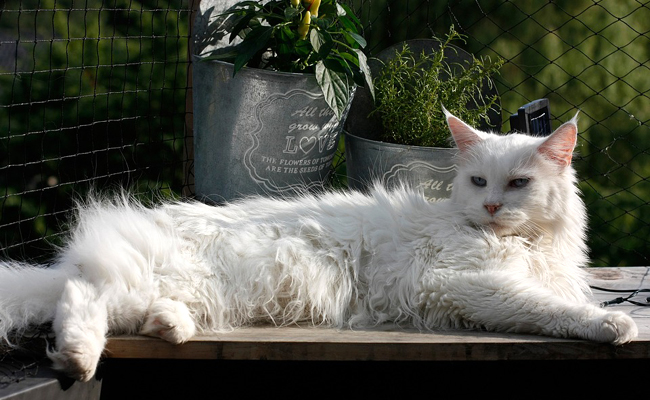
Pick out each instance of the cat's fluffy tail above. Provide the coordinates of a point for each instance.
(28, 295)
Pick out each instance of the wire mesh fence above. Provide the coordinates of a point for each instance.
(95, 94)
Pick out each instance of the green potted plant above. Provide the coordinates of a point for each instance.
(271, 97)
(402, 134)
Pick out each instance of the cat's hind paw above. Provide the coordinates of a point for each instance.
(169, 320)
(615, 327)
(80, 329)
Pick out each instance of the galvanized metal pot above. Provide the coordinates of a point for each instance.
(259, 132)
(428, 169)
(368, 160)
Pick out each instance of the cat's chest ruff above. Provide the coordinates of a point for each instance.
(474, 250)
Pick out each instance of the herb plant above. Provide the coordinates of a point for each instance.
(308, 36)
(411, 90)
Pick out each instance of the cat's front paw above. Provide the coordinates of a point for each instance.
(169, 320)
(614, 327)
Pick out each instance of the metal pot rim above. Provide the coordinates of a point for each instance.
(247, 69)
(397, 145)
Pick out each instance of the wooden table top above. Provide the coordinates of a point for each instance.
(395, 344)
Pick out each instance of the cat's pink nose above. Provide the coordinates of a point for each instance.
(492, 208)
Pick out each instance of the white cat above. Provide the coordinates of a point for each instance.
(503, 254)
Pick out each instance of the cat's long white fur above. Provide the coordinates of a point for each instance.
(338, 260)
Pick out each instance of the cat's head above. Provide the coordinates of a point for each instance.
(516, 184)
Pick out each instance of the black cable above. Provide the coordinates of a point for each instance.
(619, 300)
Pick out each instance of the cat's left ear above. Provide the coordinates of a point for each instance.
(560, 145)
(464, 135)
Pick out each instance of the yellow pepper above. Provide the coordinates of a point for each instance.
(295, 3)
(312, 6)
(303, 27)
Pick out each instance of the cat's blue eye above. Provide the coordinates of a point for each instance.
(478, 181)
(519, 182)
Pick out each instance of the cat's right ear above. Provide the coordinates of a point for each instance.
(464, 135)
(560, 144)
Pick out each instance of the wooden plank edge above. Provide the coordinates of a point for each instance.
(288, 350)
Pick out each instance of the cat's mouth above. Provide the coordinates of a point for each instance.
(493, 226)
(500, 225)
(500, 229)
(509, 228)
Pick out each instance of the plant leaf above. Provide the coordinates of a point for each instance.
(290, 13)
(351, 58)
(335, 88)
(241, 23)
(363, 66)
(303, 48)
(242, 4)
(316, 38)
(348, 13)
(352, 68)
(357, 38)
(338, 64)
(286, 34)
(222, 56)
(347, 24)
(321, 41)
(255, 41)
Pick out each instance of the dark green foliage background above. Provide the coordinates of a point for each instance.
(92, 94)
(94, 98)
